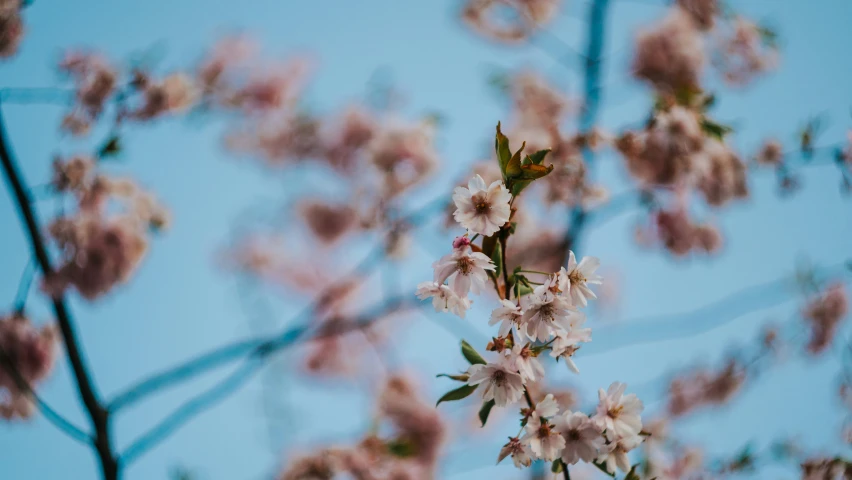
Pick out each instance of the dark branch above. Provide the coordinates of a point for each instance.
(85, 385)
(49, 413)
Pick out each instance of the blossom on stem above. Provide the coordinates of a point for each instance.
(522, 357)
(618, 413)
(497, 382)
(508, 315)
(580, 276)
(583, 438)
(464, 270)
(544, 440)
(482, 209)
(444, 299)
(567, 343)
(543, 319)
(614, 454)
(519, 452)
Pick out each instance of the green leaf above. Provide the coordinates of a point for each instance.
(501, 146)
(714, 129)
(497, 258)
(518, 186)
(537, 158)
(459, 378)
(471, 354)
(556, 466)
(602, 468)
(485, 410)
(534, 172)
(632, 475)
(462, 392)
(513, 168)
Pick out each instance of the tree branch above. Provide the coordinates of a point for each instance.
(252, 364)
(85, 386)
(49, 413)
(591, 105)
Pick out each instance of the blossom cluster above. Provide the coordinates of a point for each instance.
(11, 27)
(137, 94)
(27, 354)
(410, 453)
(484, 17)
(105, 238)
(533, 317)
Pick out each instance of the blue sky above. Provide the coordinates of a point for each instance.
(180, 303)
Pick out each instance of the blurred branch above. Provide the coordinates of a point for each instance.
(226, 353)
(591, 105)
(85, 386)
(661, 328)
(37, 95)
(49, 412)
(24, 286)
(248, 369)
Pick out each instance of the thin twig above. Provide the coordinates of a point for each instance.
(54, 417)
(24, 286)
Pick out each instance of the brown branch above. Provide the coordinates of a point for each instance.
(85, 386)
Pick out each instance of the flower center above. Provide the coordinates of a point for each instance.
(615, 411)
(573, 435)
(544, 430)
(464, 265)
(576, 277)
(480, 204)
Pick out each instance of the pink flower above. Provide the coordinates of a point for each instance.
(617, 413)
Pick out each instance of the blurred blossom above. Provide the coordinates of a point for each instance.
(95, 80)
(666, 151)
(702, 12)
(670, 54)
(723, 174)
(31, 351)
(770, 153)
(746, 50)
(11, 27)
(488, 17)
(823, 315)
(701, 387)
(103, 242)
(328, 222)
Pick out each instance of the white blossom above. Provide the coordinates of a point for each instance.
(583, 438)
(546, 408)
(497, 382)
(544, 441)
(580, 276)
(482, 209)
(567, 343)
(614, 454)
(617, 413)
(464, 270)
(509, 314)
(443, 298)
(520, 453)
(555, 284)
(521, 358)
(543, 319)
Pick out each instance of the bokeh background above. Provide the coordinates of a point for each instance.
(182, 302)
